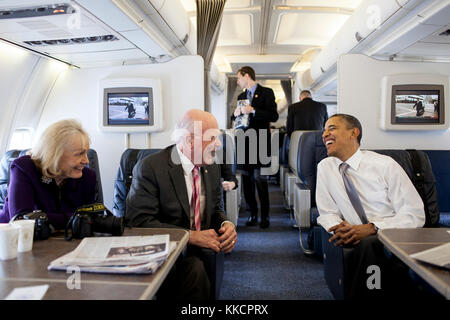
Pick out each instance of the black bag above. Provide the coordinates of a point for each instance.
(424, 188)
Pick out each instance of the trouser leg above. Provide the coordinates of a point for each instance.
(263, 193)
(249, 193)
(366, 272)
(188, 280)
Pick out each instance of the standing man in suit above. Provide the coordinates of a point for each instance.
(262, 110)
(306, 114)
(179, 187)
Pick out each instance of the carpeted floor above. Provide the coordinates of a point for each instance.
(268, 264)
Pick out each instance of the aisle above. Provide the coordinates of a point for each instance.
(269, 264)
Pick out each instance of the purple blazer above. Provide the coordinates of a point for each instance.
(27, 192)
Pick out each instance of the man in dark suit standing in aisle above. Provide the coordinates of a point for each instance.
(179, 187)
(306, 114)
(262, 109)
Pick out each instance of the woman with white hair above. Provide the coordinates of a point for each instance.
(53, 177)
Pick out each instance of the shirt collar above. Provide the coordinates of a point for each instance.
(185, 162)
(355, 160)
(253, 89)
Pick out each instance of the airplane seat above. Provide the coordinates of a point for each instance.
(439, 160)
(227, 155)
(94, 165)
(284, 163)
(281, 137)
(334, 258)
(11, 155)
(290, 177)
(293, 177)
(310, 152)
(214, 262)
(124, 177)
(5, 165)
(274, 167)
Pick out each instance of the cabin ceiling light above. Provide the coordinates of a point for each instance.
(335, 10)
(93, 39)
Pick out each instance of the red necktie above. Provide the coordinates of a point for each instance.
(196, 198)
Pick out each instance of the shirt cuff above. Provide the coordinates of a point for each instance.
(226, 221)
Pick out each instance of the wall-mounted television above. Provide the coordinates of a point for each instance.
(417, 104)
(414, 106)
(130, 105)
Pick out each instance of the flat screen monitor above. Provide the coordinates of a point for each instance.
(130, 105)
(416, 104)
(130, 108)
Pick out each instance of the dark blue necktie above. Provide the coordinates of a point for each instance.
(352, 194)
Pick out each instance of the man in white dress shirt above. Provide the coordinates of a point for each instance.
(385, 197)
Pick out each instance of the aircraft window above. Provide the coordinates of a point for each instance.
(21, 139)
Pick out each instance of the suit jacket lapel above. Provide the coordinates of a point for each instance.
(179, 183)
(257, 93)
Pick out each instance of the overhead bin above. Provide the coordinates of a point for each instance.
(377, 27)
(369, 16)
(166, 22)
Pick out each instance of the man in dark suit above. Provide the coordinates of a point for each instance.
(306, 114)
(262, 109)
(179, 187)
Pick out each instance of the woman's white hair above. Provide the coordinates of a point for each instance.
(51, 145)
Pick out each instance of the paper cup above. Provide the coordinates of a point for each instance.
(26, 234)
(9, 238)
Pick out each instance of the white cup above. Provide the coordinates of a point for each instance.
(26, 234)
(9, 238)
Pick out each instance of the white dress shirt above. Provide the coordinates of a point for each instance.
(187, 168)
(386, 192)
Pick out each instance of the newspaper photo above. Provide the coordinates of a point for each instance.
(438, 256)
(242, 121)
(138, 254)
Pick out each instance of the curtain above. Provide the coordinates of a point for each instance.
(209, 17)
(231, 90)
(287, 88)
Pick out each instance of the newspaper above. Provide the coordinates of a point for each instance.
(138, 254)
(438, 256)
(242, 121)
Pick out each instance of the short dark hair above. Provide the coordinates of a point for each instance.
(304, 92)
(247, 70)
(352, 122)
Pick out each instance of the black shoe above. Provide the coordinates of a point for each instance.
(252, 221)
(264, 223)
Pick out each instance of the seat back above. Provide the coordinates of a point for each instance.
(440, 160)
(11, 155)
(274, 155)
(284, 154)
(94, 165)
(294, 148)
(5, 165)
(310, 152)
(227, 153)
(124, 177)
